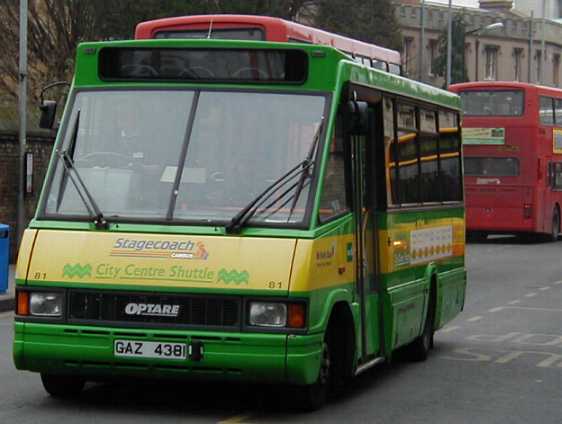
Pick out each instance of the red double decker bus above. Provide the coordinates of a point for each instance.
(248, 27)
(512, 137)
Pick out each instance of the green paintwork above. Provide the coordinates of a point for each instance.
(88, 351)
(233, 276)
(77, 270)
(246, 356)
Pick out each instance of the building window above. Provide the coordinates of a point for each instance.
(518, 61)
(408, 56)
(491, 62)
(433, 48)
(556, 69)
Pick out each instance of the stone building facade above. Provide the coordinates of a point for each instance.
(500, 54)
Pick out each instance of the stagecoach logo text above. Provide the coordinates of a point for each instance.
(152, 309)
(159, 249)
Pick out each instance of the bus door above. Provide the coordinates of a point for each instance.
(365, 230)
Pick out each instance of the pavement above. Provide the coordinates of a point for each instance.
(7, 298)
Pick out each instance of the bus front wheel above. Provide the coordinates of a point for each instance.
(62, 386)
(312, 397)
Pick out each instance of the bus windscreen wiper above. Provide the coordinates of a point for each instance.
(83, 192)
(301, 170)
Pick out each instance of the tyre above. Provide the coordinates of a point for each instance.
(419, 349)
(312, 397)
(62, 386)
(555, 229)
(476, 237)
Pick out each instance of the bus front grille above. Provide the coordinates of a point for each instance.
(144, 308)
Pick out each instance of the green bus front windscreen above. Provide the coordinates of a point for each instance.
(203, 64)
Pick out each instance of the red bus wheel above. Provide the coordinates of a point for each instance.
(555, 225)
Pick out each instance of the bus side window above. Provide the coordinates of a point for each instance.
(546, 112)
(333, 201)
(408, 164)
(449, 157)
(428, 157)
(394, 69)
(558, 112)
(556, 175)
(390, 152)
(379, 64)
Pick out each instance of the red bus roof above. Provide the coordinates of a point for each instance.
(276, 29)
(490, 85)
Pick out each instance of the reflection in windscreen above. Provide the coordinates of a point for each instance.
(492, 103)
(128, 151)
(240, 144)
(124, 142)
(494, 167)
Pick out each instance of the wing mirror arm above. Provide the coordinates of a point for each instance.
(49, 107)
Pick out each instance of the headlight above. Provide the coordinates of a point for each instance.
(268, 314)
(45, 304)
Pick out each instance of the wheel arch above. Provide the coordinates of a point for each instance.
(431, 278)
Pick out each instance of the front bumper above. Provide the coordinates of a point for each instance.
(88, 351)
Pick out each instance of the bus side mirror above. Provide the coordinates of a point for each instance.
(357, 118)
(48, 111)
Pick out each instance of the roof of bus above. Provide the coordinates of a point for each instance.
(325, 62)
(501, 85)
(146, 30)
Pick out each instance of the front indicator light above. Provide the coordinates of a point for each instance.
(22, 304)
(296, 315)
(268, 314)
(45, 304)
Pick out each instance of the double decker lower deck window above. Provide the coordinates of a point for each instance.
(490, 166)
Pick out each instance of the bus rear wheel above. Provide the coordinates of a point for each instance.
(476, 237)
(419, 349)
(555, 225)
(62, 386)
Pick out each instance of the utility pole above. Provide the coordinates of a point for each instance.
(22, 106)
(530, 61)
(449, 47)
(421, 47)
(543, 49)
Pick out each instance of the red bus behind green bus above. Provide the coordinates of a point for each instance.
(512, 136)
(265, 28)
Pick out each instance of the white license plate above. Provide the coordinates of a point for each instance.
(142, 349)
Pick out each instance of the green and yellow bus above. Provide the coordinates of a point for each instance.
(238, 210)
